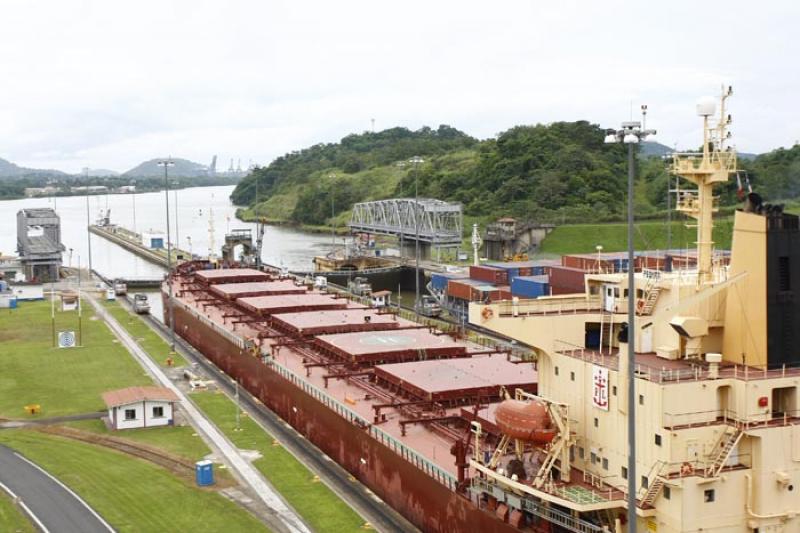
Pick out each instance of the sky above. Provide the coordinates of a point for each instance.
(108, 84)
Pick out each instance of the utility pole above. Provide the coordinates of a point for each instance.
(166, 163)
(333, 213)
(133, 197)
(177, 235)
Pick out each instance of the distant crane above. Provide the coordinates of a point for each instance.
(212, 168)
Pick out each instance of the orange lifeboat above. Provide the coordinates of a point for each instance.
(526, 421)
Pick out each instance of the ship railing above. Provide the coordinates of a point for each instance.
(235, 339)
(610, 361)
(406, 452)
(550, 306)
(538, 508)
(702, 468)
(745, 422)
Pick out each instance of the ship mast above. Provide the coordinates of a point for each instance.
(712, 166)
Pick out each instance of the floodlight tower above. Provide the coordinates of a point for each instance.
(416, 161)
(713, 165)
(631, 133)
(166, 163)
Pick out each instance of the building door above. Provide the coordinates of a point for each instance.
(724, 403)
(647, 340)
(609, 301)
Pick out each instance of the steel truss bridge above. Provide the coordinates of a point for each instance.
(440, 223)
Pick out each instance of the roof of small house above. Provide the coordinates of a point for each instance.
(115, 398)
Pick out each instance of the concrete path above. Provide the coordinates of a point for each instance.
(49, 503)
(246, 472)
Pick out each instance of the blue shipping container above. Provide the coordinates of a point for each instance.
(439, 280)
(530, 286)
(204, 473)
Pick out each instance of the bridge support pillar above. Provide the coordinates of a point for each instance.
(408, 249)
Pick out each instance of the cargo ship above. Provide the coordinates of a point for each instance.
(461, 436)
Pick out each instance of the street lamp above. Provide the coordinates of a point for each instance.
(416, 161)
(88, 224)
(631, 133)
(166, 163)
(133, 197)
(332, 176)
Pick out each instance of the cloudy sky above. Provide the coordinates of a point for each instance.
(108, 84)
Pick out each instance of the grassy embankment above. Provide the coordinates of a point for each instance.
(155, 346)
(320, 507)
(12, 518)
(132, 494)
(313, 500)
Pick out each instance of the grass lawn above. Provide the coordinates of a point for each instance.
(155, 346)
(63, 381)
(182, 441)
(320, 507)
(649, 235)
(131, 494)
(12, 518)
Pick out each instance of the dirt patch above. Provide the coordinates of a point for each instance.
(6, 336)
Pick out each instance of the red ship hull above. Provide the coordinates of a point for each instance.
(424, 501)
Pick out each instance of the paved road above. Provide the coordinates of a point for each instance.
(55, 507)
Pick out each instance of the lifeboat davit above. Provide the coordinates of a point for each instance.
(526, 421)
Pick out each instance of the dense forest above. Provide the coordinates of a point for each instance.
(559, 172)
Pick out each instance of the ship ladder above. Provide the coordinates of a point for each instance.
(646, 305)
(654, 489)
(725, 451)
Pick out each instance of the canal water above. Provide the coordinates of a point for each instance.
(282, 246)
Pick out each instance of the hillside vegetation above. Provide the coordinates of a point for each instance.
(560, 172)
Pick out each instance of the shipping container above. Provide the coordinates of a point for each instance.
(530, 286)
(493, 275)
(566, 280)
(462, 288)
(439, 279)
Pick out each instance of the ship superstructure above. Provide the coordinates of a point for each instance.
(717, 374)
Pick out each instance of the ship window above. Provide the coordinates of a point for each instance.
(581, 452)
(556, 371)
(708, 495)
(645, 482)
(593, 458)
(572, 376)
(658, 439)
(784, 279)
(596, 422)
(624, 473)
(641, 399)
(614, 390)
(667, 493)
(605, 463)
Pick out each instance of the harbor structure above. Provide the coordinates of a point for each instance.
(39, 243)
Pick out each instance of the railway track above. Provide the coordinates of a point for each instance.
(380, 516)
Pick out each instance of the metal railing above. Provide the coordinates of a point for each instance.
(548, 306)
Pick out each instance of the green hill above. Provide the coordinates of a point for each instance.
(560, 172)
(149, 169)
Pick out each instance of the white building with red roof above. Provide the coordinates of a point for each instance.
(140, 407)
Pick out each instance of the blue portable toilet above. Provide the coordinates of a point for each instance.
(204, 473)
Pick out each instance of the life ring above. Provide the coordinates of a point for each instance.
(487, 313)
(639, 305)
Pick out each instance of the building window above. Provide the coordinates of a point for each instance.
(605, 463)
(596, 422)
(572, 376)
(158, 412)
(624, 473)
(645, 482)
(614, 390)
(658, 439)
(641, 399)
(130, 414)
(667, 493)
(709, 496)
(556, 371)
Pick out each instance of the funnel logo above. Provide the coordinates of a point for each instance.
(600, 387)
(66, 339)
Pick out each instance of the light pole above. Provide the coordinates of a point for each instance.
(166, 163)
(133, 198)
(88, 225)
(177, 235)
(631, 133)
(333, 213)
(416, 161)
